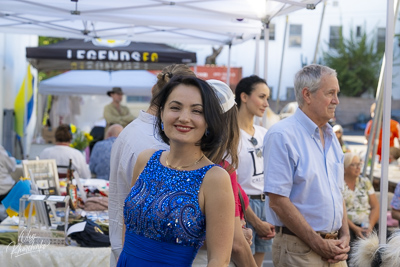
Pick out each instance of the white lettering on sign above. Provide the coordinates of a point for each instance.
(136, 56)
(80, 54)
(124, 56)
(91, 54)
(102, 54)
(69, 53)
(112, 55)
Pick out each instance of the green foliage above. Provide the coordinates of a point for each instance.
(357, 64)
(43, 40)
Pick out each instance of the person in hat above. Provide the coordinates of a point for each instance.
(338, 130)
(115, 113)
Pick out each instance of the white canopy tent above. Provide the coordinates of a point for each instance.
(98, 82)
(91, 86)
(223, 22)
(179, 21)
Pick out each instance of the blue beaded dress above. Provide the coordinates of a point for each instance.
(163, 219)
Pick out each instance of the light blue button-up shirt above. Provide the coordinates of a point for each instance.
(297, 166)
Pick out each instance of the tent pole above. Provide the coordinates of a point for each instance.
(373, 131)
(25, 125)
(280, 70)
(376, 132)
(266, 43)
(390, 23)
(319, 33)
(257, 56)
(228, 70)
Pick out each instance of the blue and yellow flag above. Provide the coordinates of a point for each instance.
(11, 201)
(24, 103)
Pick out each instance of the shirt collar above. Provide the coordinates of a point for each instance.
(310, 126)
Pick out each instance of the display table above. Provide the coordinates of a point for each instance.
(393, 178)
(54, 256)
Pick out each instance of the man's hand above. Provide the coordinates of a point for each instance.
(262, 228)
(331, 250)
(265, 230)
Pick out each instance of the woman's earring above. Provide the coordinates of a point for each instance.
(162, 126)
(207, 132)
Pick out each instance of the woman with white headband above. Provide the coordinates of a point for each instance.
(227, 157)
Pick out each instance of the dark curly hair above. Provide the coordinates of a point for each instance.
(211, 108)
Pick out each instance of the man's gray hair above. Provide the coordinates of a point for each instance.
(310, 77)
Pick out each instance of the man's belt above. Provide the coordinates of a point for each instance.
(261, 197)
(285, 230)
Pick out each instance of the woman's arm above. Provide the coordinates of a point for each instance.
(219, 208)
(358, 231)
(141, 161)
(241, 252)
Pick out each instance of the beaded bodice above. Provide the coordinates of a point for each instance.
(163, 204)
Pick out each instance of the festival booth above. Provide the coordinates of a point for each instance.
(97, 66)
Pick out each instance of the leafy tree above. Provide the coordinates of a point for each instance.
(43, 40)
(357, 64)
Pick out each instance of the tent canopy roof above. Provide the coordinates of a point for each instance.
(180, 21)
(106, 55)
(98, 82)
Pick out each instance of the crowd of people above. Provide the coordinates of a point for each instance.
(179, 202)
(195, 182)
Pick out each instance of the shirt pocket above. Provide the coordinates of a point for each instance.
(336, 173)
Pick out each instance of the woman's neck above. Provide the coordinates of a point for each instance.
(62, 143)
(246, 121)
(182, 155)
(350, 181)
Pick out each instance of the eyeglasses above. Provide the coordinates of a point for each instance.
(358, 165)
(253, 141)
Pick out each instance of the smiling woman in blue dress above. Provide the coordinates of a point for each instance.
(179, 198)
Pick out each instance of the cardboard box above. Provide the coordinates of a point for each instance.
(49, 135)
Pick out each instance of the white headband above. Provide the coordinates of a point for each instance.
(224, 94)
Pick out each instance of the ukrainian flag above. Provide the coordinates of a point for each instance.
(23, 105)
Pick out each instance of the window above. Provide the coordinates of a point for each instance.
(358, 31)
(271, 33)
(335, 34)
(295, 35)
(380, 46)
(290, 96)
